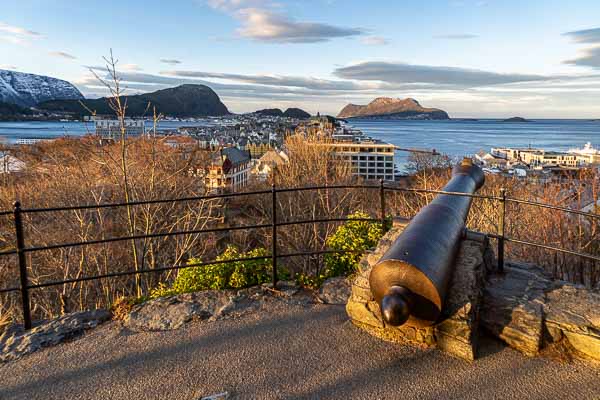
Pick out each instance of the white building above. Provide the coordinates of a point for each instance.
(370, 159)
(10, 164)
(33, 140)
(111, 128)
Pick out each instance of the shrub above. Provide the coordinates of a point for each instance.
(227, 275)
(354, 236)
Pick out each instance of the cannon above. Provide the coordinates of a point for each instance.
(410, 281)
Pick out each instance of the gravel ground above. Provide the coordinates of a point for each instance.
(286, 352)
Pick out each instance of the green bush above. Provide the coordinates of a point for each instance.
(227, 275)
(355, 236)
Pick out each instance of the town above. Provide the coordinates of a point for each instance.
(242, 148)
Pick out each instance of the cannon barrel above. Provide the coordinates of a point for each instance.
(410, 281)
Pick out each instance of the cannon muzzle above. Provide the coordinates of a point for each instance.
(410, 281)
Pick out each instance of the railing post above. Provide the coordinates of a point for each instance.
(22, 266)
(501, 225)
(274, 234)
(382, 202)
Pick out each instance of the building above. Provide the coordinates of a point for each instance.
(10, 164)
(539, 158)
(264, 166)
(228, 170)
(257, 150)
(111, 128)
(33, 140)
(370, 159)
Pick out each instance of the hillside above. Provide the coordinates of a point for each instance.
(389, 108)
(27, 90)
(183, 101)
(289, 113)
(271, 112)
(10, 112)
(296, 113)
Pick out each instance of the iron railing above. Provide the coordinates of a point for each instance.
(21, 249)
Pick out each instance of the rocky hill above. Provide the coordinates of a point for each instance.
(183, 101)
(389, 108)
(27, 90)
(289, 113)
(271, 112)
(296, 113)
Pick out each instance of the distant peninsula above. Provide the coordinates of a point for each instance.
(390, 108)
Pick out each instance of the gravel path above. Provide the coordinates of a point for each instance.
(288, 352)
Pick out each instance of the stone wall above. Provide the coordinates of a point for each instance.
(523, 307)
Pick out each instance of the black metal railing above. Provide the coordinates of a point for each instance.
(21, 249)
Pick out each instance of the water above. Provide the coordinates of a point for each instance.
(464, 138)
(10, 131)
(453, 137)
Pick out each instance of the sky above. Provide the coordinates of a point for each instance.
(472, 58)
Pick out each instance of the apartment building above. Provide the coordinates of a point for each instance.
(228, 170)
(111, 128)
(370, 159)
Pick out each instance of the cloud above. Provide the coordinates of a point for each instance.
(457, 36)
(260, 23)
(234, 5)
(130, 67)
(17, 31)
(266, 26)
(585, 35)
(170, 61)
(590, 56)
(375, 41)
(16, 35)
(271, 80)
(399, 73)
(62, 54)
(7, 66)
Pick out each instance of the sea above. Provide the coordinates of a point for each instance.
(456, 138)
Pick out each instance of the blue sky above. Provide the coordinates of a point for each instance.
(473, 58)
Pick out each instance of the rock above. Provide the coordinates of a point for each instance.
(512, 307)
(531, 312)
(335, 290)
(172, 312)
(573, 313)
(218, 396)
(15, 342)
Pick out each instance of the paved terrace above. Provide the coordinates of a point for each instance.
(286, 352)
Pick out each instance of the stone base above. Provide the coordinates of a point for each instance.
(531, 313)
(458, 331)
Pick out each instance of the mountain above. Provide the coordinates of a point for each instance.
(271, 112)
(389, 108)
(27, 90)
(183, 101)
(296, 113)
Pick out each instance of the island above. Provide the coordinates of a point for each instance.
(516, 119)
(390, 108)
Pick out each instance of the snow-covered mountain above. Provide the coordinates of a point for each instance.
(27, 90)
